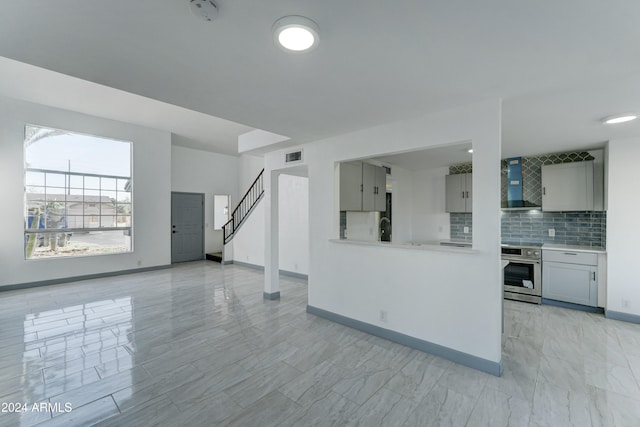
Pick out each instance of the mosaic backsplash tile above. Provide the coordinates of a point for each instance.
(531, 172)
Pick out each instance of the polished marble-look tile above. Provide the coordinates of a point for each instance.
(495, 408)
(197, 345)
(441, 407)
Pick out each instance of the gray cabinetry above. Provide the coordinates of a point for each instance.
(363, 187)
(569, 187)
(374, 188)
(570, 277)
(459, 194)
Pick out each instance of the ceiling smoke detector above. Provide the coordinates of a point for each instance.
(204, 9)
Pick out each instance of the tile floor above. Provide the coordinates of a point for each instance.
(196, 345)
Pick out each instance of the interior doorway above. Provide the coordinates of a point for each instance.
(187, 227)
(221, 205)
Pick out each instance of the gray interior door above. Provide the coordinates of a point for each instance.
(187, 227)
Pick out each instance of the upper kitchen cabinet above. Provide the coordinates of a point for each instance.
(571, 187)
(459, 194)
(362, 187)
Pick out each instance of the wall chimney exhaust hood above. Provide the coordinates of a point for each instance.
(515, 200)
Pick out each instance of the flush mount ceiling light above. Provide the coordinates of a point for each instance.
(205, 9)
(619, 118)
(470, 150)
(295, 34)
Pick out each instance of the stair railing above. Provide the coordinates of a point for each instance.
(244, 208)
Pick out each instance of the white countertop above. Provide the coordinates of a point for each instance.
(430, 246)
(573, 248)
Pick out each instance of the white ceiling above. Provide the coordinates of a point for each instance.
(430, 158)
(559, 65)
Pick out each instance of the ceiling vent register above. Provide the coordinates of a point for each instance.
(294, 156)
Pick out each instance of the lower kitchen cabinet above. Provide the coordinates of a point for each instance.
(570, 277)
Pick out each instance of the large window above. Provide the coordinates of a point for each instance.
(78, 198)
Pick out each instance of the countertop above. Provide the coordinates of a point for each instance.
(429, 246)
(573, 248)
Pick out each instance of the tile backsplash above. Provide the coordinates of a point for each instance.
(518, 227)
(521, 227)
(571, 228)
(458, 221)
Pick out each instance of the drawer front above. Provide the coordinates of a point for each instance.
(570, 257)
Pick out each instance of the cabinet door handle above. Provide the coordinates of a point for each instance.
(544, 191)
(463, 194)
(361, 188)
(594, 276)
(569, 253)
(467, 194)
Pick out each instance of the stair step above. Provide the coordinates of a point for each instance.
(216, 256)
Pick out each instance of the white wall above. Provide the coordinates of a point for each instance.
(249, 243)
(453, 299)
(196, 171)
(402, 209)
(430, 221)
(623, 281)
(151, 193)
(294, 223)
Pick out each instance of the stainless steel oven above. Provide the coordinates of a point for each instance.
(523, 275)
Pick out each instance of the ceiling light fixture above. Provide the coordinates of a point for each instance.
(295, 34)
(470, 150)
(619, 118)
(205, 9)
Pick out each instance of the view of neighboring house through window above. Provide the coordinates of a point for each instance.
(77, 194)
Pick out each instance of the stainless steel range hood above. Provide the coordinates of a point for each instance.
(515, 201)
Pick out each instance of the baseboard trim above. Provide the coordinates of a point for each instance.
(572, 306)
(294, 274)
(226, 262)
(49, 282)
(494, 368)
(248, 265)
(261, 268)
(271, 296)
(625, 317)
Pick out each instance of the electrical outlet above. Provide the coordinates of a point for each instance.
(383, 315)
(552, 232)
(465, 230)
(625, 303)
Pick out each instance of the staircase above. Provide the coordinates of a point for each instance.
(244, 208)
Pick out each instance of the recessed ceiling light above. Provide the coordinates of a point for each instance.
(295, 33)
(619, 118)
(470, 150)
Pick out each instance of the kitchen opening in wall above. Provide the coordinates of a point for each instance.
(429, 192)
(78, 194)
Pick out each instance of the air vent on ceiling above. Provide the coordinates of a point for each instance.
(294, 156)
